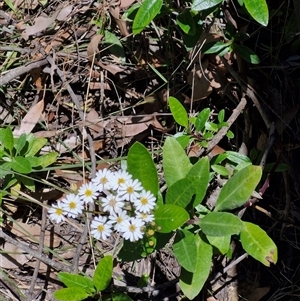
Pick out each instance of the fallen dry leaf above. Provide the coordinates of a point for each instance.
(30, 119)
(11, 257)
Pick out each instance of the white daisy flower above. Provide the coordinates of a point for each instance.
(103, 179)
(147, 218)
(112, 203)
(130, 190)
(120, 177)
(72, 205)
(88, 192)
(101, 227)
(145, 202)
(117, 218)
(131, 229)
(56, 213)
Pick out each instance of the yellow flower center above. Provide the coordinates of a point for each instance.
(72, 205)
(58, 211)
(112, 202)
(132, 228)
(103, 180)
(88, 192)
(100, 228)
(119, 219)
(144, 201)
(121, 181)
(130, 190)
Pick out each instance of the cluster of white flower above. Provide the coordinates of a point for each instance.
(127, 205)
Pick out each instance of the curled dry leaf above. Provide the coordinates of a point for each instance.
(30, 119)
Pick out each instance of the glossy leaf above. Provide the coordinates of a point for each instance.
(146, 13)
(36, 145)
(185, 249)
(179, 112)
(118, 296)
(21, 165)
(48, 159)
(175, 161)
(238, 189)
(246, 53)
(186, 22)
(221, 224)
(114, 44)
(222, 243)
(200, 5)
(6, 138)
(20, 143)
(221, 170)
(201, 119)
(71, 294)
(258, 9)
(75, 280)
(258, 244)
(170, 217)
(192, 283)
(141, 166)
(200, 170)
(181, 192)
(215, 47)
(103, 273)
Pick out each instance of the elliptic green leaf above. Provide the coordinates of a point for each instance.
(247, 54)
(192, 283)
(71, 294)
(141, 166)
(200, 170)
(186, 22)
(21, 165)
(222, 243)
(175, 161)
(185, 249)
(103, 273)
(199, 5)
(258, 9)
(181, 192)
(7, 138)
(20, 143)
(75, 280)
(221, 170)
(48, 159)
(179, 112)
(258, 244)
(170, 217)
(238, 189)
(146, 13)
(36, 145)
(202, 119)
(221, 224)
(114, 44)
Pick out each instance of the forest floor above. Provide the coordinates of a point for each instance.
(92, 89)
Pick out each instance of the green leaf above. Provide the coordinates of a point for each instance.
(221, 116)
(27, 182)
(146, 13)
(181, 192)
(202, 119)
(237, 157)
(78, 281)
(48, 159)
(175, 161)
(221, 224)
(216, 47)
(7, 138)
(192, 283)
(258, 244)
(222, 243)
(10, 5)
(238, 189)
(200, 170)
(170, 217)
(34, 161)
(258, 9)
(114, 44)
(103, 273)
(117, 296)
(71, 294)
(21, 165)
(186, 22)
(221, 170)
(20, 143)
(179, 112)
(36, 144)
(246, 53)
(199, 5)
(185, 249)
(141, 166)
